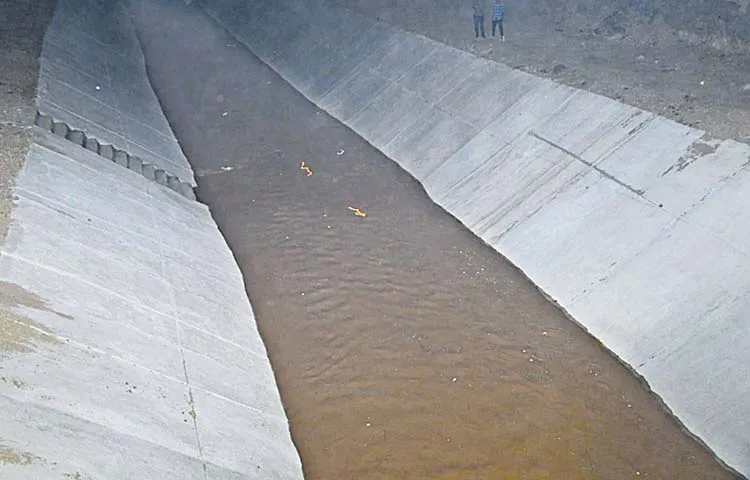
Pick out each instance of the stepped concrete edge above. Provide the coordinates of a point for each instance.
(110, 153)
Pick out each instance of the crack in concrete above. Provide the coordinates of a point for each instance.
(604, 173)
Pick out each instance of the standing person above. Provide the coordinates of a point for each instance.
(498, 12)
(479, 8)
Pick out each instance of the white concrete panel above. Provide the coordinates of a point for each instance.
(495, 189)
(44, 437)
(354, 92)
(725, 211)
(245, 440)
(445, 177)
(575, 241)
(389, 114)
(490, 90)
(441, 70)
(544, 99)
(428, 141)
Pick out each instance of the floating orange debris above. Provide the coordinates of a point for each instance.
(304, 167)
(357, 212)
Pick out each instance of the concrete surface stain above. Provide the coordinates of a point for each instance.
(638, 191)
(19, 333)
(9, 456)
(20, 384)
(13, 295)
(695, 151)
(14, 144)
(191, 402)
(75, 476)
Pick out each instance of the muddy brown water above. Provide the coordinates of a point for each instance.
(403, 346)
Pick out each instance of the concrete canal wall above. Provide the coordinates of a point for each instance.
(128, 348)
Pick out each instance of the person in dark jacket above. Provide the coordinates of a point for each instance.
(479, 7)
(498, 12)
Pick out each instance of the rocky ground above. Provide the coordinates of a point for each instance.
(688, 61)
(22, 27)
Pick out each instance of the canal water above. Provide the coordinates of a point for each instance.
(404, 347)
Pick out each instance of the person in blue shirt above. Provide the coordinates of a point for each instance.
(478, 6)
(498, 12)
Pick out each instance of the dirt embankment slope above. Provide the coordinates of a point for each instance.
(687, 60)
(22, 27)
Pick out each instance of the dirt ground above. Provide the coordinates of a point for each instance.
(687, 60)
(404, 347)
(22, 27)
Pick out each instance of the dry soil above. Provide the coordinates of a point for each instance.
(687, 60)
(22, 27)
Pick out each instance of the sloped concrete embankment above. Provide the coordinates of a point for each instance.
(635, 224)
(128, 348)
(94, 87)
